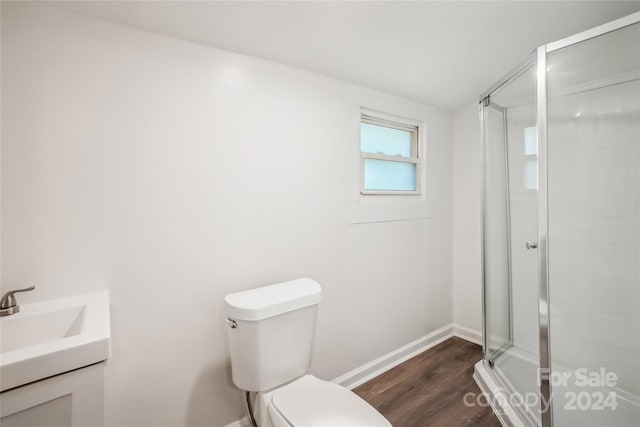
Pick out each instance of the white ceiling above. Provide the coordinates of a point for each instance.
(441, 53)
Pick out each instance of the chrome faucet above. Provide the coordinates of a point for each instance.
(8, 303)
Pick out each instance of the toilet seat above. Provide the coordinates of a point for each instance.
(311, 402)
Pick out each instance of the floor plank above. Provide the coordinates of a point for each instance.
(429, 389)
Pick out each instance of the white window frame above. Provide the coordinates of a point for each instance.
(415, 158)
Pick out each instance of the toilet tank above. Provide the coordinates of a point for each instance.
(271, 331)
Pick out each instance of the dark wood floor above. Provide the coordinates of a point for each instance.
(429, 389)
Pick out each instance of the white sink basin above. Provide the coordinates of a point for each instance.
(52, 337)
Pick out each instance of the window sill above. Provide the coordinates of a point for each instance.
(381, 209)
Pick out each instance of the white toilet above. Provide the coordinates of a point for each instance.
(271, 333)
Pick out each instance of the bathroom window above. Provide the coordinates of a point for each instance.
(530, 166)
(389, 159)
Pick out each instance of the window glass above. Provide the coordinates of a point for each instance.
(530, 141)
(530, 167)
(384, 175)
(385, 140)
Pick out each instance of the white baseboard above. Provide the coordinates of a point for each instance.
(370, 370)
(242, 422)
(467, 333)
(390, 360)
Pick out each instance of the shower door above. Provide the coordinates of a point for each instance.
(496, 234)
(510, 230)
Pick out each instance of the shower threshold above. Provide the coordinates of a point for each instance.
(497, 396)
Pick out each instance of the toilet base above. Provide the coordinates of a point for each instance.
(265, 415)
(260, 409)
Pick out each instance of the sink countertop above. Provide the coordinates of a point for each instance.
(52, 337)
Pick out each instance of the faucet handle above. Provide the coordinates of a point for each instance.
(8, 300)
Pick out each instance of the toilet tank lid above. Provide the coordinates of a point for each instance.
(269, 301)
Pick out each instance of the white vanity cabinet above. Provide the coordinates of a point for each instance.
(73, 399)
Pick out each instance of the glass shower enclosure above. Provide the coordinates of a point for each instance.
(561, 233)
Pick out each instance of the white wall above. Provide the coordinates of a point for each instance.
(467, 206)
(172, 174)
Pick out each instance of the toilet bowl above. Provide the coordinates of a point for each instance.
(271, 333)
(312, 402)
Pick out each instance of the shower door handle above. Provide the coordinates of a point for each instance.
(531, 245)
